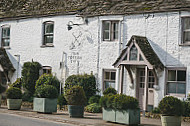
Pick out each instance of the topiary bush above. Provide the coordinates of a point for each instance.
(17, 83)
(171, 106)
(94, 99)
(110, 90)
(93, 108)
(61, 101)
(30, 74)
(48, 79)
(46, 91)
(186, 105)
(103, 100)
(75, 96)
(13, 93)
(27, 96)
(156, 110)
(87, 82)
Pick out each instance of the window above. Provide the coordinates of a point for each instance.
(48, 33)
(176, 81)
(46, 69)
(5, 36)
(109, 77)
(186, 30)
(110, 30)
(133, 53)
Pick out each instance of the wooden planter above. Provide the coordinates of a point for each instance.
(129, 116)
(14, 104)
(76, 111)
(45, 105)
(171, 120)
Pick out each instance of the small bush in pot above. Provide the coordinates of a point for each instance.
(76, 101)
(171, 109)
(45, 100)
(17, 83)
(61, 101)
(110, 90)
(94, 99)
(93, 108)
(14, 96)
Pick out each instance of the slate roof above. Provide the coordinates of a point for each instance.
(35, 8)
(147, 50)
(5, 61)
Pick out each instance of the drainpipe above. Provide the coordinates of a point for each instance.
(63, 65)
(18, 62)
(98, 55)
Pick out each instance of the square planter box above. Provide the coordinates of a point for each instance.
(45, 105)
(109, 114)
(171, 120)
(14, 104)
(129, 116)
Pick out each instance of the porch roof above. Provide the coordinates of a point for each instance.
(146, 49)
(5, 61)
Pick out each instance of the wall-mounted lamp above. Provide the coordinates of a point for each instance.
(70, 24)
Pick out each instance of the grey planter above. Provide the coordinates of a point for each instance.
(76, 111)
(109, 114)
(14, 104)
(45, 105)
(129, 116)
(171, 120)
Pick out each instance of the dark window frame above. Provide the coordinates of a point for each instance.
(45, 43)
(7, 37)
(110, 78)
(183, 30)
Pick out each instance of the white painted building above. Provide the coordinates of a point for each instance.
(155, 43)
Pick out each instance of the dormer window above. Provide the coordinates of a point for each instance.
(48, 33)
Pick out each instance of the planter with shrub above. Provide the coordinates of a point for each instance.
(76, 101)
(171, 109)
(14, 100)
(2, 89)
(121, 109)
(45, 100)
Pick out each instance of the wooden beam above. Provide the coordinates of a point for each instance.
(145, 91)
(121, 79)
(130, 73)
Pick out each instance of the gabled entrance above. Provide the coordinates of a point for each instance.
(140, 56)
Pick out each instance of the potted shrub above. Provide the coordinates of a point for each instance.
(14, 98)
(171, 109)
(76, 101)
(2, 89)
(45, 100)
(120, 108)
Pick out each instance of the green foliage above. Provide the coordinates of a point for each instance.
(46, 91)
(2, 88)
(75, 96)
(14, 93)
(186, 105)
(94, 99)
(17, 83)
(30, 73)
(88, 82)
(27, 96)
(119, 101)
(156, 110)
(61, 101)
(110, 90)
(171, 106)
(48, 79)
(93, 108)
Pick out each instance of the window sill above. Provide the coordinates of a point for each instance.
(184, 44)
(6, 47)
(43, 46)
(110, 41)
(176, 95)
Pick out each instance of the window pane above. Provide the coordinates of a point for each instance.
(186, 36)
(186, 23)
(107, 75)
(5, 42)
(181, 75)
(133, 53)
(181, 88)
(172, 88)
(106, 25)
(6, 32)
(171, 75)
(106, 35)
(109, 84)
(140, 58)
(48, 28)
(112, 75)
(49, 39)
(115, 28)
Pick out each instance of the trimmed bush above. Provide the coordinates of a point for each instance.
(46, 91)
(61, 101)
(2, 89)
(75, 96)
(27, 96)
(186, 105)
(110, 91)
(103, 100)
(48, 79)
(13, 93)
(17, 83)
(87, 82)
(30, 74)
(156, 110)
(93, 108)
(94, 99)
(171, 106)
